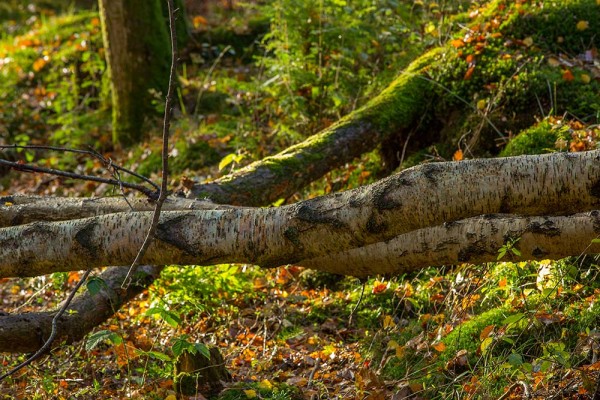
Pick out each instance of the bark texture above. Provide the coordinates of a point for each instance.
(420, 197)
(472, 240)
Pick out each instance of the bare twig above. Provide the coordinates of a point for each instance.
(108, 163)
(54, 331)
(32, 168)
(362, 293)
(313, 371)
(165, 149)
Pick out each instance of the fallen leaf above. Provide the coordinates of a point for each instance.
(440, 346)
(528, 41)
(485, 332)
(568, 75)
(379, 287)
(582, 25)
(469, 73)
(457, 43)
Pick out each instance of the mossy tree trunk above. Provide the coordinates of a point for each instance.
(137, 46)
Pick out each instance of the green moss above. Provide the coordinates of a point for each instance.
(405, 99)
(553, 25)
(466, 335)
(535, 140)
(194, 156)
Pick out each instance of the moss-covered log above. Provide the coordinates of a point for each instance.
(395, 112)
(486, 84)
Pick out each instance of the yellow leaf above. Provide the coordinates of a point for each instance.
(8, 204)
(553, 62)
(585, 78)
(528, 41)
(400, 351)
(481, 104)
(251, 394)
(485, 344)
(388, 322)
(392, 344)
(265, 385)
(431, 29)
(582, 25)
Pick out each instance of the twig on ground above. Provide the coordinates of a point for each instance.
(314, 370)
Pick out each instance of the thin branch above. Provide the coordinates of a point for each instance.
(360, 298)
(44, 349)
(165, 149)
(108, 163)
(32, 168)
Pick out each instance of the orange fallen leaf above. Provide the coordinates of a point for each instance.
(485, 332)
(458, 155)
(379, 287)
(457, 43)
(39, 64)
(440, 346)
(567, 75)
(469, 73)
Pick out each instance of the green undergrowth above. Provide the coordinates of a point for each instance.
(52, 81)
(494, 324)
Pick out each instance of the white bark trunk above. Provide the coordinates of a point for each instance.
(424, 196)
(472, 240)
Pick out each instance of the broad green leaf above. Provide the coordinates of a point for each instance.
(98, 337)
(171, 318)
(515, 359)
(181, 345)
(159, 356)
(95, 285)
(203, 349)
(511, 319)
